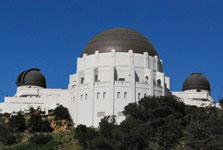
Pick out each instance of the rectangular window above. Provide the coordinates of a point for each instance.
(138, 95)
(101, 114)
(125, 95)
(85, 96)
(121, 79)
(98, 94)
(81, 97)
(118, 95)
(120, 114)
(104, 95)
(82, 80)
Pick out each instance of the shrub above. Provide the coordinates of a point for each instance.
(61, 113)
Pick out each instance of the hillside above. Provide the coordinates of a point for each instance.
(153, 123)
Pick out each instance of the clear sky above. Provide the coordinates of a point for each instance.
(50, 35)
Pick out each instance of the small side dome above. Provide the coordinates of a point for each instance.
(196, 81)
(31, 77)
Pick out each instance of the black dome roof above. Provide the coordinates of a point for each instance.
(120, 39)
(196, 81)
(31, 77)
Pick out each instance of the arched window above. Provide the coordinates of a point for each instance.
(118, 95)
(125, 95)
(159, 82)
(82, 80)
(147, 78)
(98, 94)
(104, 95)
(139, 95)
(96, 78)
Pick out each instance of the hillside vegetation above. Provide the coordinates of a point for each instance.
(154, 123)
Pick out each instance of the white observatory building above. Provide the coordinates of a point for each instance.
(196, 91)
(117, 66)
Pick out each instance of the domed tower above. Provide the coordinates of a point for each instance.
(121, 40)
(31, 78)
(117, 66)
(196, 82)
(196, 91)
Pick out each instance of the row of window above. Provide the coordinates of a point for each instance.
(139, 96)
(125, 95)
(102, 114)
(103, 95)
(122, 79)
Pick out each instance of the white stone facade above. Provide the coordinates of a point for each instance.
(106, 82)
(196, 98)
(103, 85)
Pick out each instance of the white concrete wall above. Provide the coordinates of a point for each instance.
(124, 77)
(199, 99)
(103, 85)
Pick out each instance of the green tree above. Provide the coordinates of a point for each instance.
(62, 113)
(17, 122)
(37, 124)
(85, 135)
(40, 139)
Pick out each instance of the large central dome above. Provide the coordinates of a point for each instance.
(120, 39)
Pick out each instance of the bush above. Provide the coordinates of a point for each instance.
(36, 124)
(61, 113)
(40, 139)
(17, 122)
(7, 137)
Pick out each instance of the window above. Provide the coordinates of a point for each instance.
(147, 78)
(101, 114)
(81, 97)
(198, 90)
(85, 96)
(104, 95)
(98, 94)
(118, 95)
(96, 78)
(82, 80)
(138, 95)
(145, 95)
(159, 82)
(120, 114)
(125, 95)
(121, 79)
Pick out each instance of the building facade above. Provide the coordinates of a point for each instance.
(118, 66)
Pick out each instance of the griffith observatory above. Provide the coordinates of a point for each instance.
(117, 66)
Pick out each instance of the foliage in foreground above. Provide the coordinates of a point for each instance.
(157, 124)
(154, 123)
(37, 131)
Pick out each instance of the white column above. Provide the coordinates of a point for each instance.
(132, 74)
(163, 85)
(91, 94)
(77, 93)
(151, 84)
(112, 91)
(156, 63)
(146, 60)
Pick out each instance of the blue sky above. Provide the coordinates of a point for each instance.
(50, 35)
